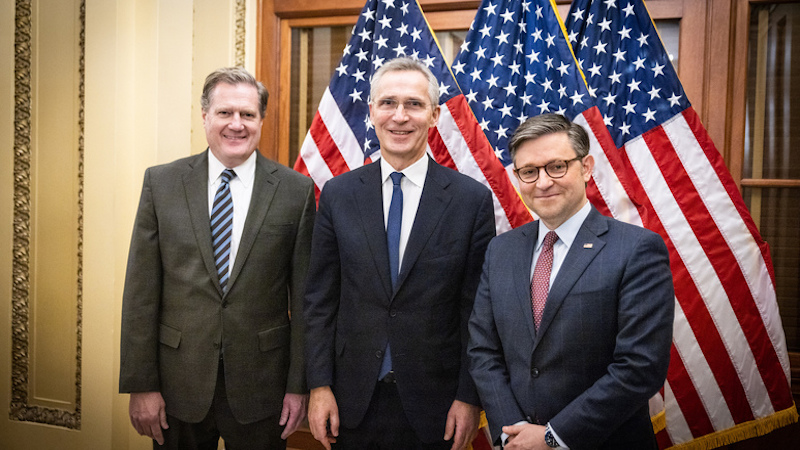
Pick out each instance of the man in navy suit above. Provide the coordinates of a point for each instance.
(386, 328)
(570, 335)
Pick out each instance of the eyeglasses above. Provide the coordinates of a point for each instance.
(389, 105)
(554, 169)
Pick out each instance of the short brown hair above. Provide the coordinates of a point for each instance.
(545, 124)
(234, 76)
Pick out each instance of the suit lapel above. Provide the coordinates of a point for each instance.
(265, 184)
(195, 185)
(575, 263)
(432, 205)
(522, 259)
(369, 198)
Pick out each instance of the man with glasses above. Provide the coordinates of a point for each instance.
(395, 260)
(572, 326)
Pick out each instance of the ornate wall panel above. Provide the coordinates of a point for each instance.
(48, 213)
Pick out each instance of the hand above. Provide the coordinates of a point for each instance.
(148, 414)
(322, 412)
(462, 424)
(293, 412)
(525, 436)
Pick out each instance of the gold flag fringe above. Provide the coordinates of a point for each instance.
(659, 421)
(740, 432)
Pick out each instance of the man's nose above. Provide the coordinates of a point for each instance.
(400, 113)
(236, 122)
(544, 181)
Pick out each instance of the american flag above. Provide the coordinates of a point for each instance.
(657, 167)
(515, 63)
(342, 138)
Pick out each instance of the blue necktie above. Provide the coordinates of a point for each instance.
(222, 227)
(393, 240)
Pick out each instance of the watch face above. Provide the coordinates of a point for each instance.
(549, 439)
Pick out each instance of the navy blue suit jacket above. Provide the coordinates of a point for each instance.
(352, 311)
(603, 346)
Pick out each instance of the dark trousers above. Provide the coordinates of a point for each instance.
(264, 434)
(385, 426)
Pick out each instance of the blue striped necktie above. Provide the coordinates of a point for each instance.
(222, 227)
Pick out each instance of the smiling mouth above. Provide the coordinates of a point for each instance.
(226, 136)
(401, 133)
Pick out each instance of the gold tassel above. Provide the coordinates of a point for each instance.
(740, 432)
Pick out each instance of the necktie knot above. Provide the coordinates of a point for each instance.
(227, 175)
(549, 240)
(396, 177)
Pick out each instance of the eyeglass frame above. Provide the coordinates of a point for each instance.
(539, 168)
(389, 101)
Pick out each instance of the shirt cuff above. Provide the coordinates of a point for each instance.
(504, 437)
(558, 439)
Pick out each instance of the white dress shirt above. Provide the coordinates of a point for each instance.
(411, 184)
(566, 235)
(241, 191)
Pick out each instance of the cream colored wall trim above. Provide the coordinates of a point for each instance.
(22, 408)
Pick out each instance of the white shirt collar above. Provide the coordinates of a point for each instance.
(415, 172)
(569, 229)
(245, 172)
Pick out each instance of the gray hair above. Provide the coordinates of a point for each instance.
(545, 124)
(406, 64)
(234, 76)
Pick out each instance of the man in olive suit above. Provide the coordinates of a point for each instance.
(212, 323)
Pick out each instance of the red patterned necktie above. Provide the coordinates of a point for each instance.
(540, 284)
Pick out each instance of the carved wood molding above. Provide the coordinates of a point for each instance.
(19, 408)
(240, 34)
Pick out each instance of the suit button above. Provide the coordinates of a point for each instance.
(379, 354)
(535, 372)
(393, 313)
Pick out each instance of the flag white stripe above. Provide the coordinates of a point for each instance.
(677, 427)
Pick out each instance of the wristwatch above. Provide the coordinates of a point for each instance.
(549, 439)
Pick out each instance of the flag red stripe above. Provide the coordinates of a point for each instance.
(596, 199)
(439, 149)
(327, 147)
(300, 166)
(663, 439)
(689, 402)
(724, 263)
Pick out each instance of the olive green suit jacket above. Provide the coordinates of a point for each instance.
(176, 320)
